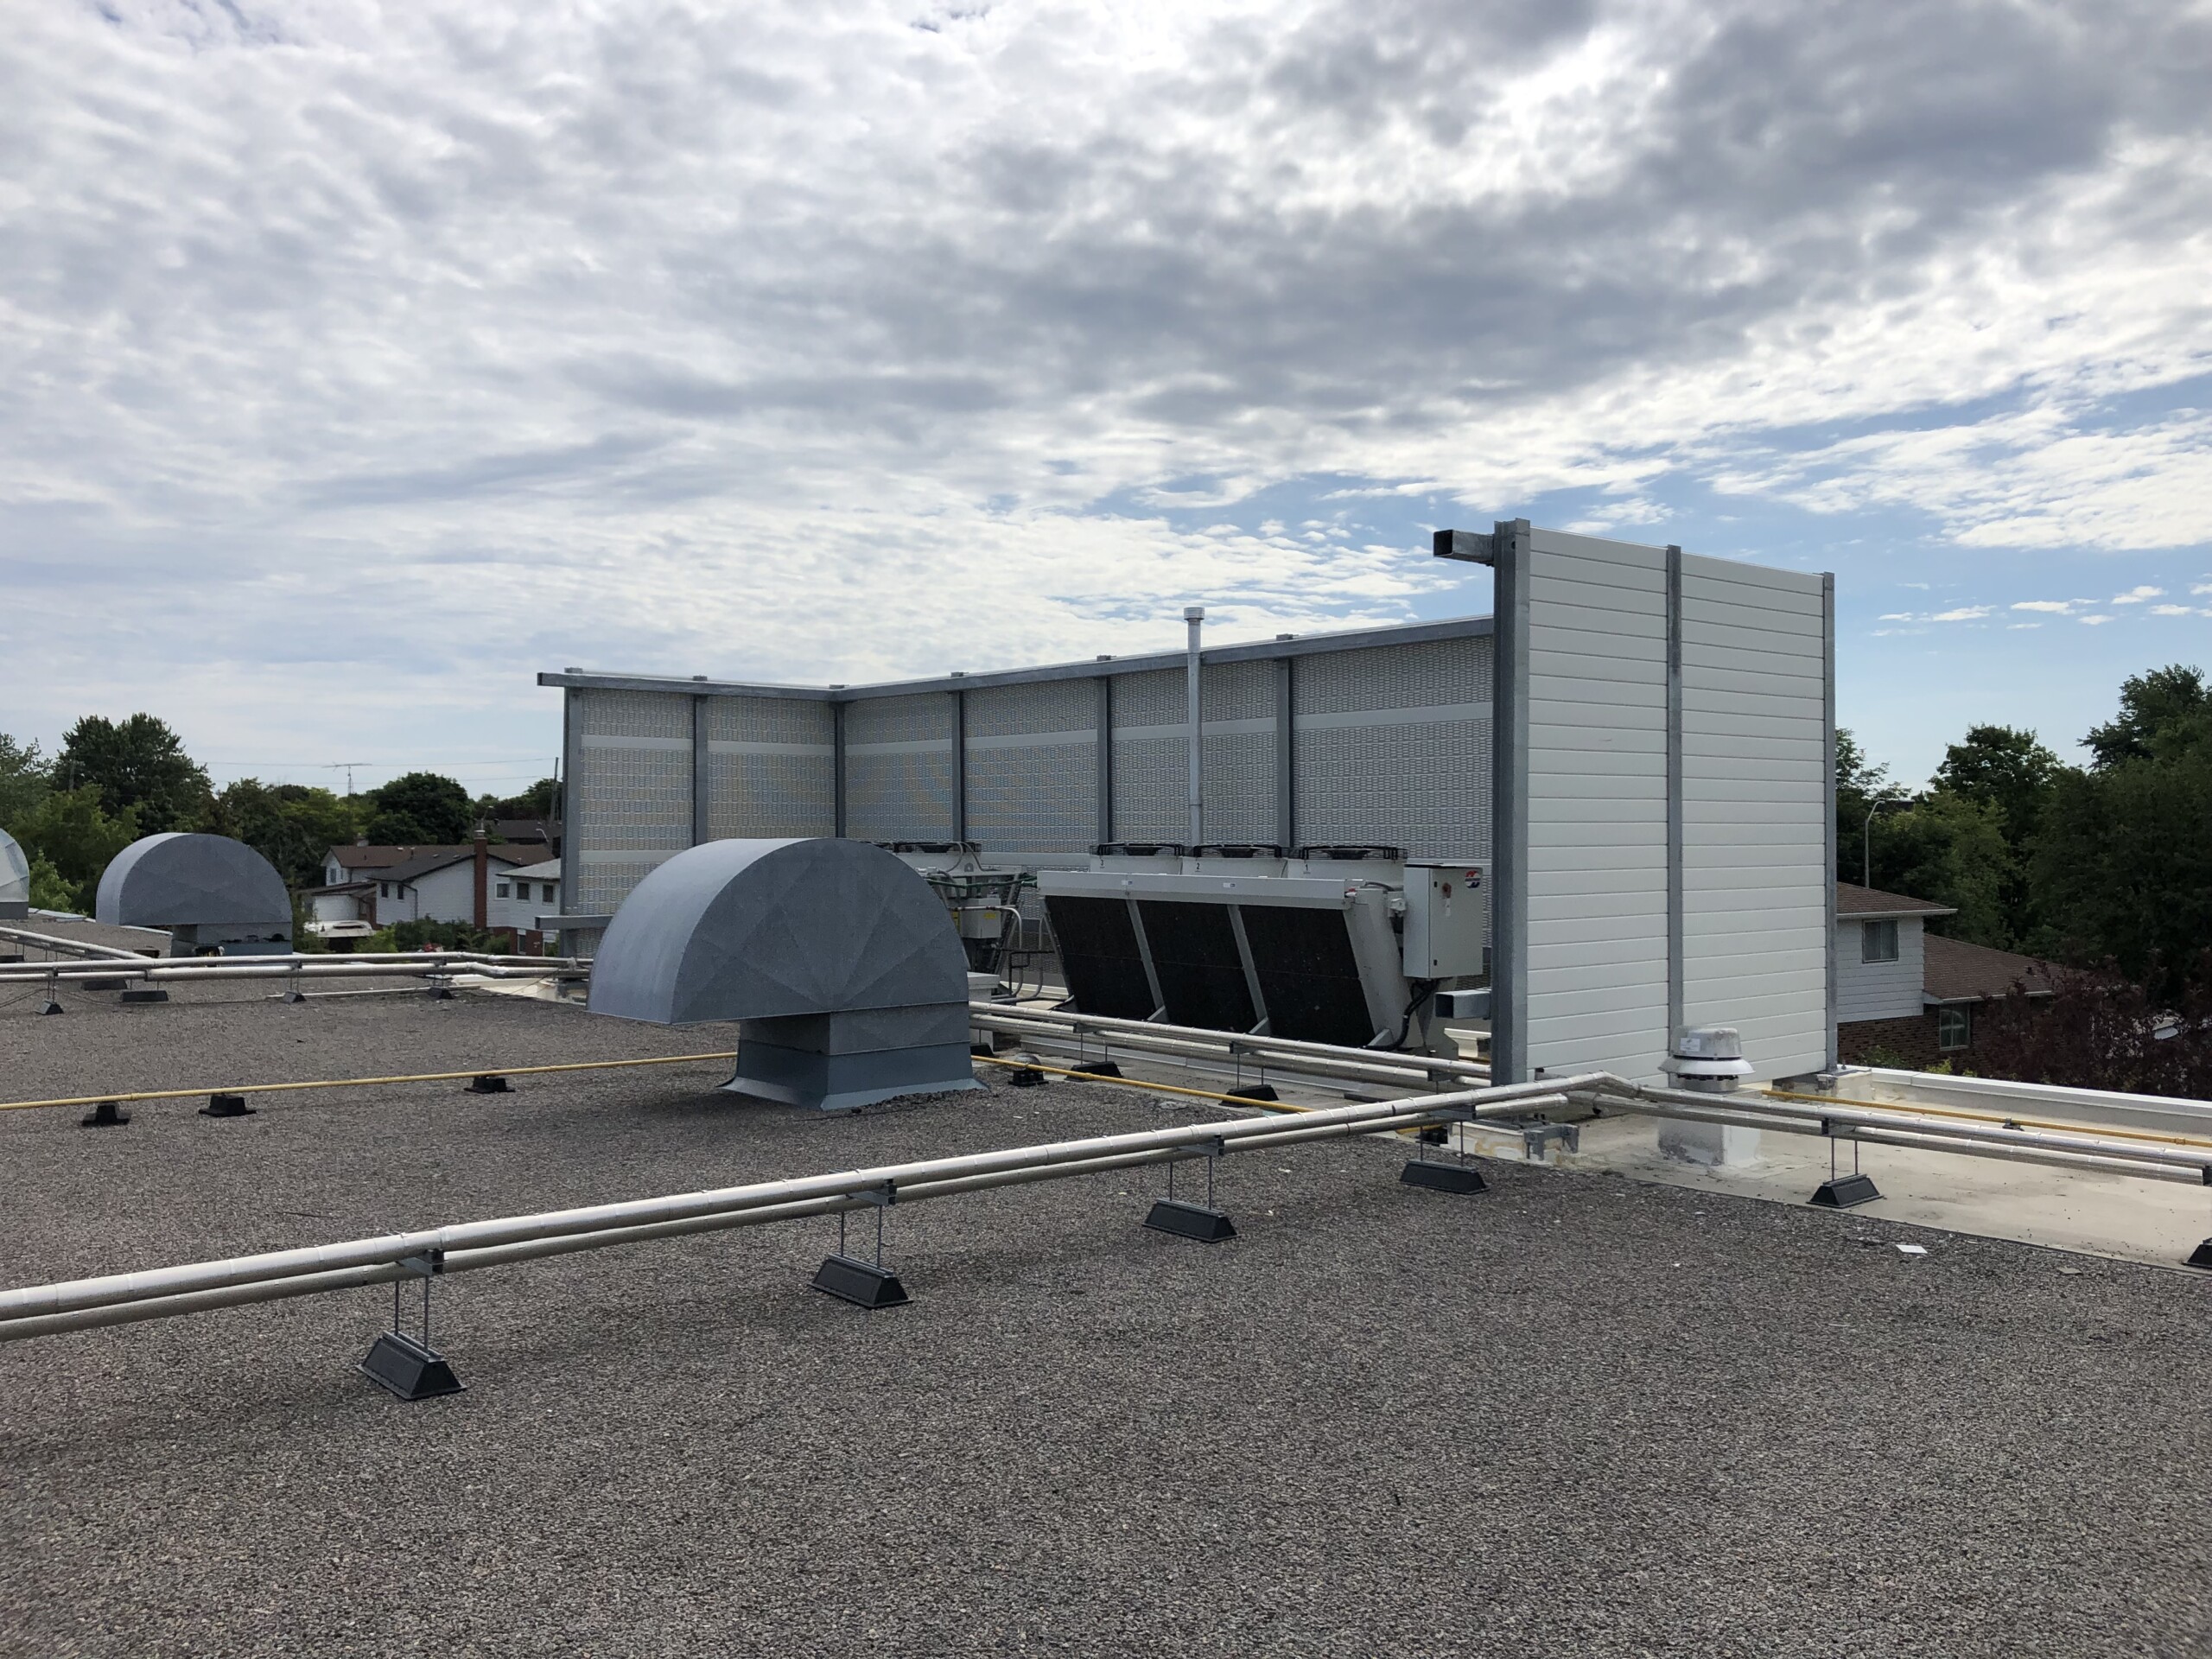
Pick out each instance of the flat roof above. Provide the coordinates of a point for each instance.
(1292, 645)
(1574, 1414)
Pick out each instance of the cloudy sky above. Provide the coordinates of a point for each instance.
(360, 361)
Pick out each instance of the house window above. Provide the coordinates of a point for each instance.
(549, 893)
(1877, 941)
(384, 889)
(506, 889)
(1954, 1028)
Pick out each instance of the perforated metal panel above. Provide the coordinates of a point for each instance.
(1033, 768)
(1151, 757)
(771, 767)
(1238, 711)
(631, 796)
(898, 758)
(1392, 748)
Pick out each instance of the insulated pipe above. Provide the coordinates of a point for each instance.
(1820, 1121)
(86, 1294)
(265, 1290)
(1019, 1022)
(251, 966)
(187, 971)
(1194, 619)
(1303, 1064)
(2135, 1163)
(75, 947)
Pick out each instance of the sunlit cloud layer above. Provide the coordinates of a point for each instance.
(367, 359)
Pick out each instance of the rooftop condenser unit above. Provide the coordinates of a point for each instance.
(1321, 950)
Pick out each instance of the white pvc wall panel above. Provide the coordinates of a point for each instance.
(1595, 800)
(631, 796)
(1755, 881)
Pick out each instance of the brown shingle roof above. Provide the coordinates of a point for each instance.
(1852, 899)
(405, 863)
(1958, 972)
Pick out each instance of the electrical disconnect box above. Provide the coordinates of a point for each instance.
(1447, 921)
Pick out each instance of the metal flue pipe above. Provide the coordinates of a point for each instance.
(1194, 619)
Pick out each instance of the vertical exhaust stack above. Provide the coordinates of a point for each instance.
(1195, 617)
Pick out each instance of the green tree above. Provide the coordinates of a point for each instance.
(48, 890)
(2123, 865)
(2166, 708)
(72, 833)
(2014, 773)
(291, 825)
(1860, 783)
(23, 779)
(1949, 849)
(420, 809)
(540, 800)
(137, 763)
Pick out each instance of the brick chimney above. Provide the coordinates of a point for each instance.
(483, 875)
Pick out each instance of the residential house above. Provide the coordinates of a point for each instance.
(383, 885)
(1907, 996)
(521, 895)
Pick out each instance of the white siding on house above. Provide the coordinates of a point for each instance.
(1879, 990)
(520, 910)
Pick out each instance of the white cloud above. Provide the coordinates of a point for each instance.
(2138, 595)
(2202, 587)
(804, 341)
(1963, 613)
(2094, 621)
(2054, 607)
(2171, 610)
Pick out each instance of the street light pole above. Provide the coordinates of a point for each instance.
(1866, 836)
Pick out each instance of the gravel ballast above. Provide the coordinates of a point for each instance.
(1572, 1415)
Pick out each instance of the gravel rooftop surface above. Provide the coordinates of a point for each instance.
(1572, 1415)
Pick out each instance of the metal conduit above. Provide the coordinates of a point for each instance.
(858, 1186)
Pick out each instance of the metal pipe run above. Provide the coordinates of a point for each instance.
(213, 967)
(1278, 1053)
(121, 1098)
(67, 947)
(1901, 1127)
(33, 1310)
